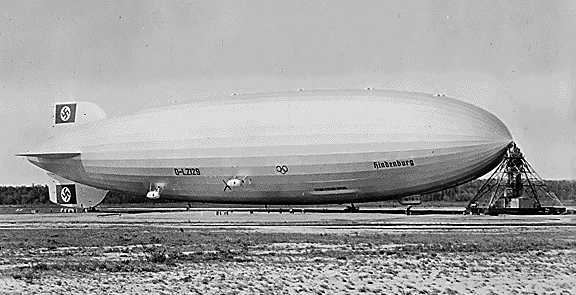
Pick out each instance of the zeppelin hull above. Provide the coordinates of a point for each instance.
(300, 148)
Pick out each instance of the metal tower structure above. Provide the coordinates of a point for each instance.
(515, 188)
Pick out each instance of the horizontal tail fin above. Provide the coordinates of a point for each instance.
(49, 155)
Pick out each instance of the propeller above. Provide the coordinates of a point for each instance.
(226, 185)
(233, 182)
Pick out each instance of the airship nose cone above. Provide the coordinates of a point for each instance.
(488, 126)
(470, 122)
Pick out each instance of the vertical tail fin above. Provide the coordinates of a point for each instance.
(74, 195)
(65, 113)
(73, 113)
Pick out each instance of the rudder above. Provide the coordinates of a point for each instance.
(74, 113)
(74, 195)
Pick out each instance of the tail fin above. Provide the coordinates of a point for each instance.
(74, 195)
(73, 113)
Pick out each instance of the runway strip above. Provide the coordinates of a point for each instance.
(274, 222)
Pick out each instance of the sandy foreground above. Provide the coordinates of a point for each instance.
(160, 260)
(442, 274)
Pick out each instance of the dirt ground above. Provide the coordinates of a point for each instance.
(105, 258)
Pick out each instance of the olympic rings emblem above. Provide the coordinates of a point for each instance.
(282, 169)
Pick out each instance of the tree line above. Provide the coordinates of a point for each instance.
(38, 194)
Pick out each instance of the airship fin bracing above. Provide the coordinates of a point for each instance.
(305, 147)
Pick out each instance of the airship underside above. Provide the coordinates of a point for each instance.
(305, 147)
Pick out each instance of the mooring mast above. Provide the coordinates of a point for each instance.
(515, 188)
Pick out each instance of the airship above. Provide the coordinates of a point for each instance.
(284, 148)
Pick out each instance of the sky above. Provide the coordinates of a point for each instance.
(516, 59)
